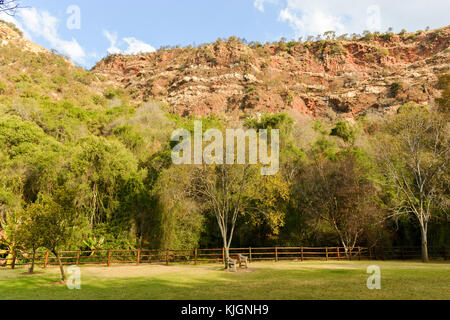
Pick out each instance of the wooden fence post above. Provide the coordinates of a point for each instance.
(373, 253)
(13, 263)
(109, 258)
(46, 260)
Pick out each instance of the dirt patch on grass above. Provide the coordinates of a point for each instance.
(116, 272)
(249, 270)
(35, 273)
(331, 266)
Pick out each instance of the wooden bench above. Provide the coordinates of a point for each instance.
(232, 264)
(241, 259)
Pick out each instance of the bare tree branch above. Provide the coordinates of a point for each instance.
(10, 7)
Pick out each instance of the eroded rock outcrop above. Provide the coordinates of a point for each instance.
(348, 77)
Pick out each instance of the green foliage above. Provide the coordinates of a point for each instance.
(129, 136)
(387, 36)
(288, 97)
(367, 36)
(249, 89)
(111, 93)
(344, 131)
(395, 88)
(279, 121)
(444, 100)
(2, 87)
(79, 155)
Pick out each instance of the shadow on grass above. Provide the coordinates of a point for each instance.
(292, 282)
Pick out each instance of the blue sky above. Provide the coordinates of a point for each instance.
(87, 30)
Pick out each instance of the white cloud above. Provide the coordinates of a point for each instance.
(43, 24)
(259, 4)
(135, 46)
(313, 21)
(347, 16)
(112, 37)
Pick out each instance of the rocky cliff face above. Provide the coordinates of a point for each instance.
(321, 78)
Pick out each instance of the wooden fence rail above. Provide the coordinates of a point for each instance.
(197, 256)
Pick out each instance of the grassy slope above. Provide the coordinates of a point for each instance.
(290, 281)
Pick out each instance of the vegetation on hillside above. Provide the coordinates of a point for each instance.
(79, 161)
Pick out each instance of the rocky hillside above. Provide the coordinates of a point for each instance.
(331, 77)
(9, 34)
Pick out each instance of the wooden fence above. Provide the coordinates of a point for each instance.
(197, 256)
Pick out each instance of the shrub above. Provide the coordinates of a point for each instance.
(367, 36)
(395, 88)
(2, 88)
(21, 78)
(343, 131)
(249, 89)
(59, 80)
(336, 49)
(98, 100)
(384, 51)
(387, 36)
(291, 44)
(110, 93)
(288, 97)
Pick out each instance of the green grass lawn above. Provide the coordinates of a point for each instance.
(284, 281)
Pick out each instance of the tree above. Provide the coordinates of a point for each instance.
(414, 155)
(340, 193)
(98, 173)
(57, 221)
(222, 188)
(10, 206)
(9, 6)
(265, 203)
(30, 231)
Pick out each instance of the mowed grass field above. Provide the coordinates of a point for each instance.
(262, 281)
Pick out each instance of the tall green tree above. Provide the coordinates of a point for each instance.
(57, 221)
(340, 193)
(222, 188)
(30, 231)
(414, 155)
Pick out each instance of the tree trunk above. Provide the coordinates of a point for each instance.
(31, 270)
(423, 229)
(344, 244)
(227, 255)
(61, 268)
